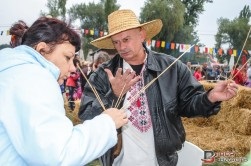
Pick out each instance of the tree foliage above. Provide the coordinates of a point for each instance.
(234, 33)
(56, 8)
(171, 13)
(92, 16)
(245, 13)
(193, 10)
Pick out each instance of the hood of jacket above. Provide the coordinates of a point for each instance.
(10, 57)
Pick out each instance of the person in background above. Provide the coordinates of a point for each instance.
(155, 131)
(205, 71)
(222, 74)
(189, 65)
(197, 73)
(237, 75)
(33, 127)
(16, 32)
(71, 84)
(101, 58)
(248, 83)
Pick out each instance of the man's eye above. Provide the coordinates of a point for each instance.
(125, 40)
(114, 42)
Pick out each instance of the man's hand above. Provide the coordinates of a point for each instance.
(223, 90)
(122, 81)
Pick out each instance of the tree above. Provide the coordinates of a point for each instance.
(171, 13)
(92, 16)
(56, 8)
(234, 33)
(245, 13)
(179, 19)
(62, 8)
(186, 33)
(193, 9)
(109, 6)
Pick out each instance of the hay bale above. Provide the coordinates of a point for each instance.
(243, 98)
(214, 138)
(73, 115)
(234, 119)
(207, 85)
(229, 130)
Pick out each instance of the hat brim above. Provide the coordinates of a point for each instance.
(152, 28)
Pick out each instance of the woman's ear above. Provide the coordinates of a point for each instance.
(41, 48)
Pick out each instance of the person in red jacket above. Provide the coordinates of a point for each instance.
(197, 74)
(237, 75)
(71, 84)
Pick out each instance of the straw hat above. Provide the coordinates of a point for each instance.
(122, 20)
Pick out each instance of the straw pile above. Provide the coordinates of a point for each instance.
(229, 130)
(73, 115)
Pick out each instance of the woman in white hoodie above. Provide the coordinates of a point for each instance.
(33, 127)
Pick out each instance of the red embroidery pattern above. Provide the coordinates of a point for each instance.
(140, 116)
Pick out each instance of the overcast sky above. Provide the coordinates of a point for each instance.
(12, 11)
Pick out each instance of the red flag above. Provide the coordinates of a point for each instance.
(157, 43)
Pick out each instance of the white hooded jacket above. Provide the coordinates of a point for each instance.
(33, 127)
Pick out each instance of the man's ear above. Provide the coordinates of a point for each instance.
(41, 47)
(143, 34)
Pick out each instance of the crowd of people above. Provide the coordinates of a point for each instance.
(131, 110)
(73, 86)
(213, 72)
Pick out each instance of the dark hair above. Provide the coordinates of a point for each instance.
(75, 61)
(51, 31)
(16, 31)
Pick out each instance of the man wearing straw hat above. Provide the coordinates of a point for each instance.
(153, 90)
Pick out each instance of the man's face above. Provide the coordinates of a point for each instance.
(129, 43)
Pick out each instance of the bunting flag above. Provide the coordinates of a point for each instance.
(172, 46)
(148, 42)
(167, 46)
(201, 49)
(163, 43)
(96, 33)
(182, 48)
(196, 48)
(230, 52)
(157, 43)
(86, 31)
(160, 43)
(153, 43)
(205, 50)
(101, 33)
(220, 51)
(91, 32)
(234, 52)
(211, 51)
